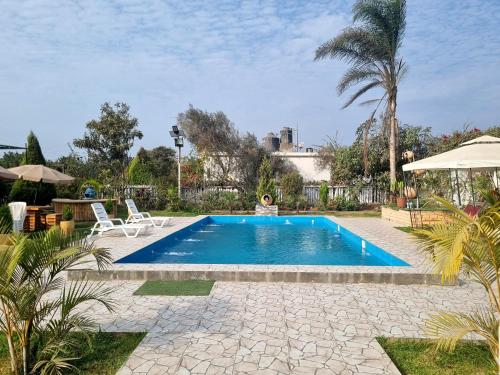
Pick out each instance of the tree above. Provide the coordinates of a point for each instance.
(324, 194)
(32, 192)
(468, 245)
(11, 159)
(109, 139)
(250, 157)
(371, 46)
(153, 167)
(214, 138)
(267, 185)
(33, 269)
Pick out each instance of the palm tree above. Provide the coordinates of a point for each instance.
(470, 246)
(371, 46)
(36, 305)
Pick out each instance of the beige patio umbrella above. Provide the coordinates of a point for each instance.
(41, 173)
(5, 174)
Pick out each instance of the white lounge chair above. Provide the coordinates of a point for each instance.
(104, 223)
(18, 213)
(137, 217)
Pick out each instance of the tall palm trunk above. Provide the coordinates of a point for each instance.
(392, 135)
(365, 148)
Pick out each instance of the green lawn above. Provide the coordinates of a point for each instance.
(176, 288)
(418, 357)
(357, 213)
(406, 229)
(109, 352)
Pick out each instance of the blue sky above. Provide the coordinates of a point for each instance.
(253, 60)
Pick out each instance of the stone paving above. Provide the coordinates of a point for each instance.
(277, 328)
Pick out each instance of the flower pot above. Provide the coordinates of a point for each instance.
(111, 215)
(410, 193)
(67, 227)
(401, 202)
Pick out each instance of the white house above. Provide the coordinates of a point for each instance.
(306, 164)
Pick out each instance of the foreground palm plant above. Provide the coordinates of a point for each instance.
(372, 48)
(38, 308)
(468, 245)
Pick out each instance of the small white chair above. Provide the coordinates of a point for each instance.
(137, 217)
(18, 213)
(104, 223)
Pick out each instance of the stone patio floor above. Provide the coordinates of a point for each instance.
(280, 328)
(276, 328)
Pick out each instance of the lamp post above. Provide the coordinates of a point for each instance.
(178, 136)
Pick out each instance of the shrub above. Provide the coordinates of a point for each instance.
(108, 206)
(247, 200)
(228, 200)
(292, 184)
(323, 195)
(5, 217)
(67, 213)
(342, 203)
(173, 201)
(32, 192)
(267, 185)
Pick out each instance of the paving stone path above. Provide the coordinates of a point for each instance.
(277, 328)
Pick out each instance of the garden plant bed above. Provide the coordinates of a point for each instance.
(413, 218)
(418, 357)
(109, 352)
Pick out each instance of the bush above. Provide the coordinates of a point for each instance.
(341, 203)
(32, 192)
(173, 201)
(323, 195)
(5, 217)
(267, 185)
(247, 200)
(292, 184)
(108, 206)
(67, 213)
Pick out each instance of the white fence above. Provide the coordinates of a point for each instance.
(367, 195)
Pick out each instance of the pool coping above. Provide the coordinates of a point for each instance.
(401, 246)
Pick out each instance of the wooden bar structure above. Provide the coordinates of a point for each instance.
(80, 207)
(35, 217)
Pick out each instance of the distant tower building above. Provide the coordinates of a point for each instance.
(286, 135)
(271, 142)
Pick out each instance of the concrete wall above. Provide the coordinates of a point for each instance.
(305, 162)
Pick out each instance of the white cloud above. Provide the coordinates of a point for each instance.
(251, 59)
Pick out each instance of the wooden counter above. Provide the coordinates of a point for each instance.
(80, 207)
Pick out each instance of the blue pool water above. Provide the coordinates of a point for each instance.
(264, 240)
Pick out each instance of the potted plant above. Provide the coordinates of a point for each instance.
(401, 199)
(108, 206)
(67, 223)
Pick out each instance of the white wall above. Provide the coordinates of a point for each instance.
(305, 162)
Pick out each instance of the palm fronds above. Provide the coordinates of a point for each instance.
(468, 245)
(29, 302)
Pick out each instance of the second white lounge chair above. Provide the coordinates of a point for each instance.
(104, 223)
(140, 217)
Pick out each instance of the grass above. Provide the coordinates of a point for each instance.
(406, 229)
(109, 352)
(173, 213)
(176, 288)
(418, 357)
(357, 213)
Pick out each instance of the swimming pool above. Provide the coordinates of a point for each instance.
(281, 240)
